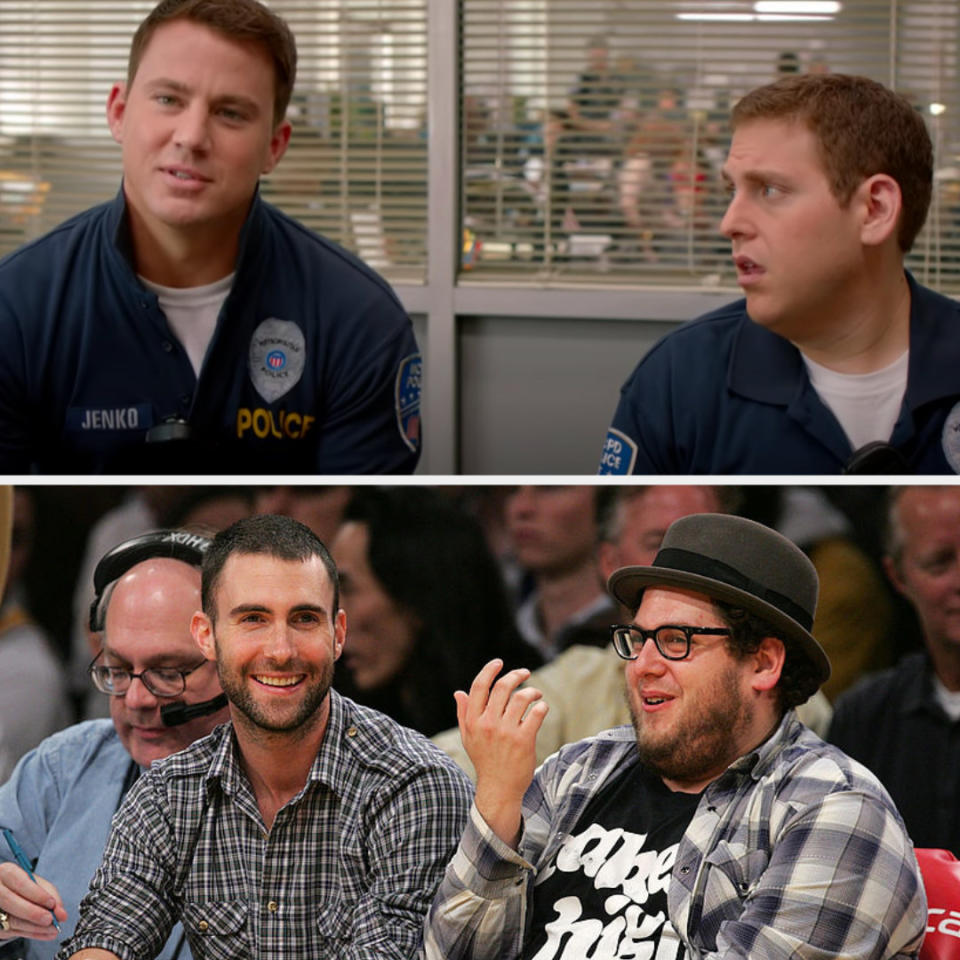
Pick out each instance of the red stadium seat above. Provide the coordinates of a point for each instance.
(941, 878)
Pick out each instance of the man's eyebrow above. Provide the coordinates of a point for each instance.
(226, 99)
(752, 176)
(242, 608)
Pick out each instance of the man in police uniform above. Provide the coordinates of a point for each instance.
(837, 359)
(188, 326)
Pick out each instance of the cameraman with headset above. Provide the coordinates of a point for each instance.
(164, 695)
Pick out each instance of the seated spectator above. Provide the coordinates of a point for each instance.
(208, 510)
(716, 825)
(583, 686)
(904, 722)
(553, 531)
(62, 796)
(425, 604)
(33, 701)
(854, 610)
(319, 508)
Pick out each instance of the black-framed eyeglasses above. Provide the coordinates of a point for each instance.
(160, 681)
(672, 639)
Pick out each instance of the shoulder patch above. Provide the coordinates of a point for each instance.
(407, 399)
(950, 438)
(619, 454)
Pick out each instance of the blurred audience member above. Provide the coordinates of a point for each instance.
(904, 722)
(208, 510)
(319, 508)
(854, 611)
(33, 701)
(426, 606)
(553, 531)
(6, 531)
(595, 98)
(584, 685)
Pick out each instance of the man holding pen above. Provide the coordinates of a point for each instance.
(61, 797)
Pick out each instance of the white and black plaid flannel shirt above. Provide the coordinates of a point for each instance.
(796, 851)
(347, 870)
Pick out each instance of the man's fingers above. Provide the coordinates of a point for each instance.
(480, 688)
(519, 702)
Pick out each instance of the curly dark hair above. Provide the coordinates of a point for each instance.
(799, 679)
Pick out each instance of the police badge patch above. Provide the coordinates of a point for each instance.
(950, 438)
(277, 357)
(407, 399)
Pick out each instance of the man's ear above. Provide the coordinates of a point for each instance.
(892, 570)
(881, 203)
(339, 633)
(202, 630)
(768, 661)
(116, 105)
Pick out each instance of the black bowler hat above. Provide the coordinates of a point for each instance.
(738, 561)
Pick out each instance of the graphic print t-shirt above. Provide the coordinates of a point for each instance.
(604, 895)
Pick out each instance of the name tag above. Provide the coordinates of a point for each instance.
(109, 419)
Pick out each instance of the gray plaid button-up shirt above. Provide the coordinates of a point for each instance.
(796, 851)
(347, 870)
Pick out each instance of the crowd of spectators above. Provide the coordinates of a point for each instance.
(436, 581)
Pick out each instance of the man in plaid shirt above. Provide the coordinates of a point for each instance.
(309, 827)
(718, 826)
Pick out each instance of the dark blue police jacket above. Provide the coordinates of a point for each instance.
(722, 395)
(313, 366)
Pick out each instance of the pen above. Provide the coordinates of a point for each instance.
(21, 858)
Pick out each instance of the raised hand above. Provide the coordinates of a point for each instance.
(498, 724)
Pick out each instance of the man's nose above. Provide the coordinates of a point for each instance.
(192, 130)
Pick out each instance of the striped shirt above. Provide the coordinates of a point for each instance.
(796, 850)
(347, 870)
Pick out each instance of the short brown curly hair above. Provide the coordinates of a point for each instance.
(862, 128)
(799, 679)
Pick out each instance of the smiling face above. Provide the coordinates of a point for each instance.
(148, 625)
(798, 253)
(927, 572)
(694, 717)
(197, 131)
(275, 641)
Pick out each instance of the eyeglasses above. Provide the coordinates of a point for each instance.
(160, 681)
(672, 640)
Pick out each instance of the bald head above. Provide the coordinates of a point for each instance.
(147, 626)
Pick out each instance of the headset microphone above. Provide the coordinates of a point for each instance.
(173, 714)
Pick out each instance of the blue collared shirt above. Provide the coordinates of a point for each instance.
(59, 802)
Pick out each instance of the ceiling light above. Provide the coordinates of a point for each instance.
(828, 7)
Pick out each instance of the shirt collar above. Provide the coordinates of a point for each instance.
(251, 233)
(329, 766)
(766, 367)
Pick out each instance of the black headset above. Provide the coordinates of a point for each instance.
(175, 544)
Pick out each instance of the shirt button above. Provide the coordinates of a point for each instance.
(352, 732)
(167, 346)
(273, 906)
(203, 925)
(684, 870)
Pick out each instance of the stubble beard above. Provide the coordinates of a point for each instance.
(702, 741)
(265, 720)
